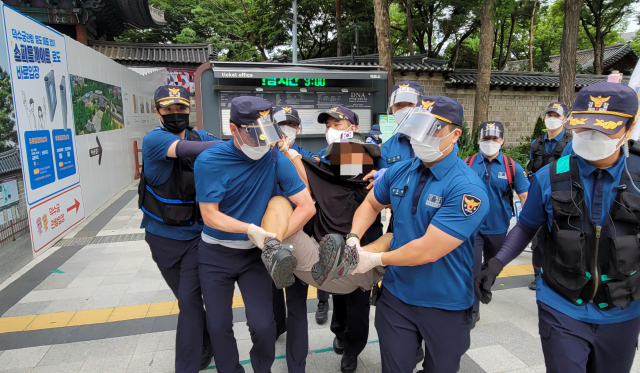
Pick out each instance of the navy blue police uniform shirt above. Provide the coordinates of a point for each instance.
(157, 168)
(538, 212)
(302, 151)
(449, 196)
(241, 186)
(568, 150)
(549, 144)
(494, 175)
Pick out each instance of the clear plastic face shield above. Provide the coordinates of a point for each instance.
(261, 132)
(489, 132)
(420, 125)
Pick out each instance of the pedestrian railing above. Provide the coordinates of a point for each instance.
(10, 231)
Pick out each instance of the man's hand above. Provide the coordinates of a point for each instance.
(283, 145)
(292, 154)
(484, 281)
(367, 261)
(257, 235)
(374, 177)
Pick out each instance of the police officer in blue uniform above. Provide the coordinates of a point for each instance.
(290, 123)
(172, 220)
(235, 181)
(502, 176)
(588, 292)
(375, 135)
(544, 150)
(439, 204)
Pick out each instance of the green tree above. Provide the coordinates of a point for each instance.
(8, 135)
(244, 29)
(182, 26)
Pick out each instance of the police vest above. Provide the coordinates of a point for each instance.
(588, 263)
(174, 201)
(541, 158)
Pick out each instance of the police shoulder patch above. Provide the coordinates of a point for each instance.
(470, 204)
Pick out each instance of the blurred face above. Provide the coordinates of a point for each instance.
(401, 105)
(172, 109)
(340, 125)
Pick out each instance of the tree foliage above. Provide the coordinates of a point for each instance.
(8, 135)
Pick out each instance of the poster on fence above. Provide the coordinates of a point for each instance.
(37, 61)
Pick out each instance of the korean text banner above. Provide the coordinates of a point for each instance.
(40, 83)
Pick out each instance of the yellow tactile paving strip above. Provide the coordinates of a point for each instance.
(141, 311)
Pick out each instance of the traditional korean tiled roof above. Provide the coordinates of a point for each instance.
(10, 161)
(150, 55)
(521, 79)
(416, 63)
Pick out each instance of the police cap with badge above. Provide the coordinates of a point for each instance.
(254, 115)
(557, 107)
(170, 94)
(340, 113)
(430, 115)
(283, 113)
(604, 107)
(406, 91)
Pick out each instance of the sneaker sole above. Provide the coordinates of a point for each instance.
(282, 271)
(329, 258)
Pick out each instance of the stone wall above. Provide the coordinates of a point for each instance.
(517, 110)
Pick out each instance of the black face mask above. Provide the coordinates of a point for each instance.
(175, 123)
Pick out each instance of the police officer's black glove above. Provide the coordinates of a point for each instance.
(487, 277)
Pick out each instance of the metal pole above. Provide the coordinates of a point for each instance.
(295, 31)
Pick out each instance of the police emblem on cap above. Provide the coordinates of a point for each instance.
(599, 101)
(403, 86)
(174, 92)
(490, 124)
(608, 125)
(470, 204)
(576, 121)
(286, 109)
(264, 113)
(427, 104)
(556, 105)
(333, 110)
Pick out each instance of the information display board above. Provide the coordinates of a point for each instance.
(308, 104)
(40, 80)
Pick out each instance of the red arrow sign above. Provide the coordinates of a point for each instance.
(76, 206)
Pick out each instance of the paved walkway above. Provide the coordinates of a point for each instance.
(97, 303)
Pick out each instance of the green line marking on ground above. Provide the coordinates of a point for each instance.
(57, 271)
(320, 351)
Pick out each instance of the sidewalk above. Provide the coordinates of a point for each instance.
(99, 304)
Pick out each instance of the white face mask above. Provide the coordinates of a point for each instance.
(253, 152)
(489, 147)
(290, 132)
(429, 151)
(553, 123)
(400, 114)
(333, 135)
(594, 145)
